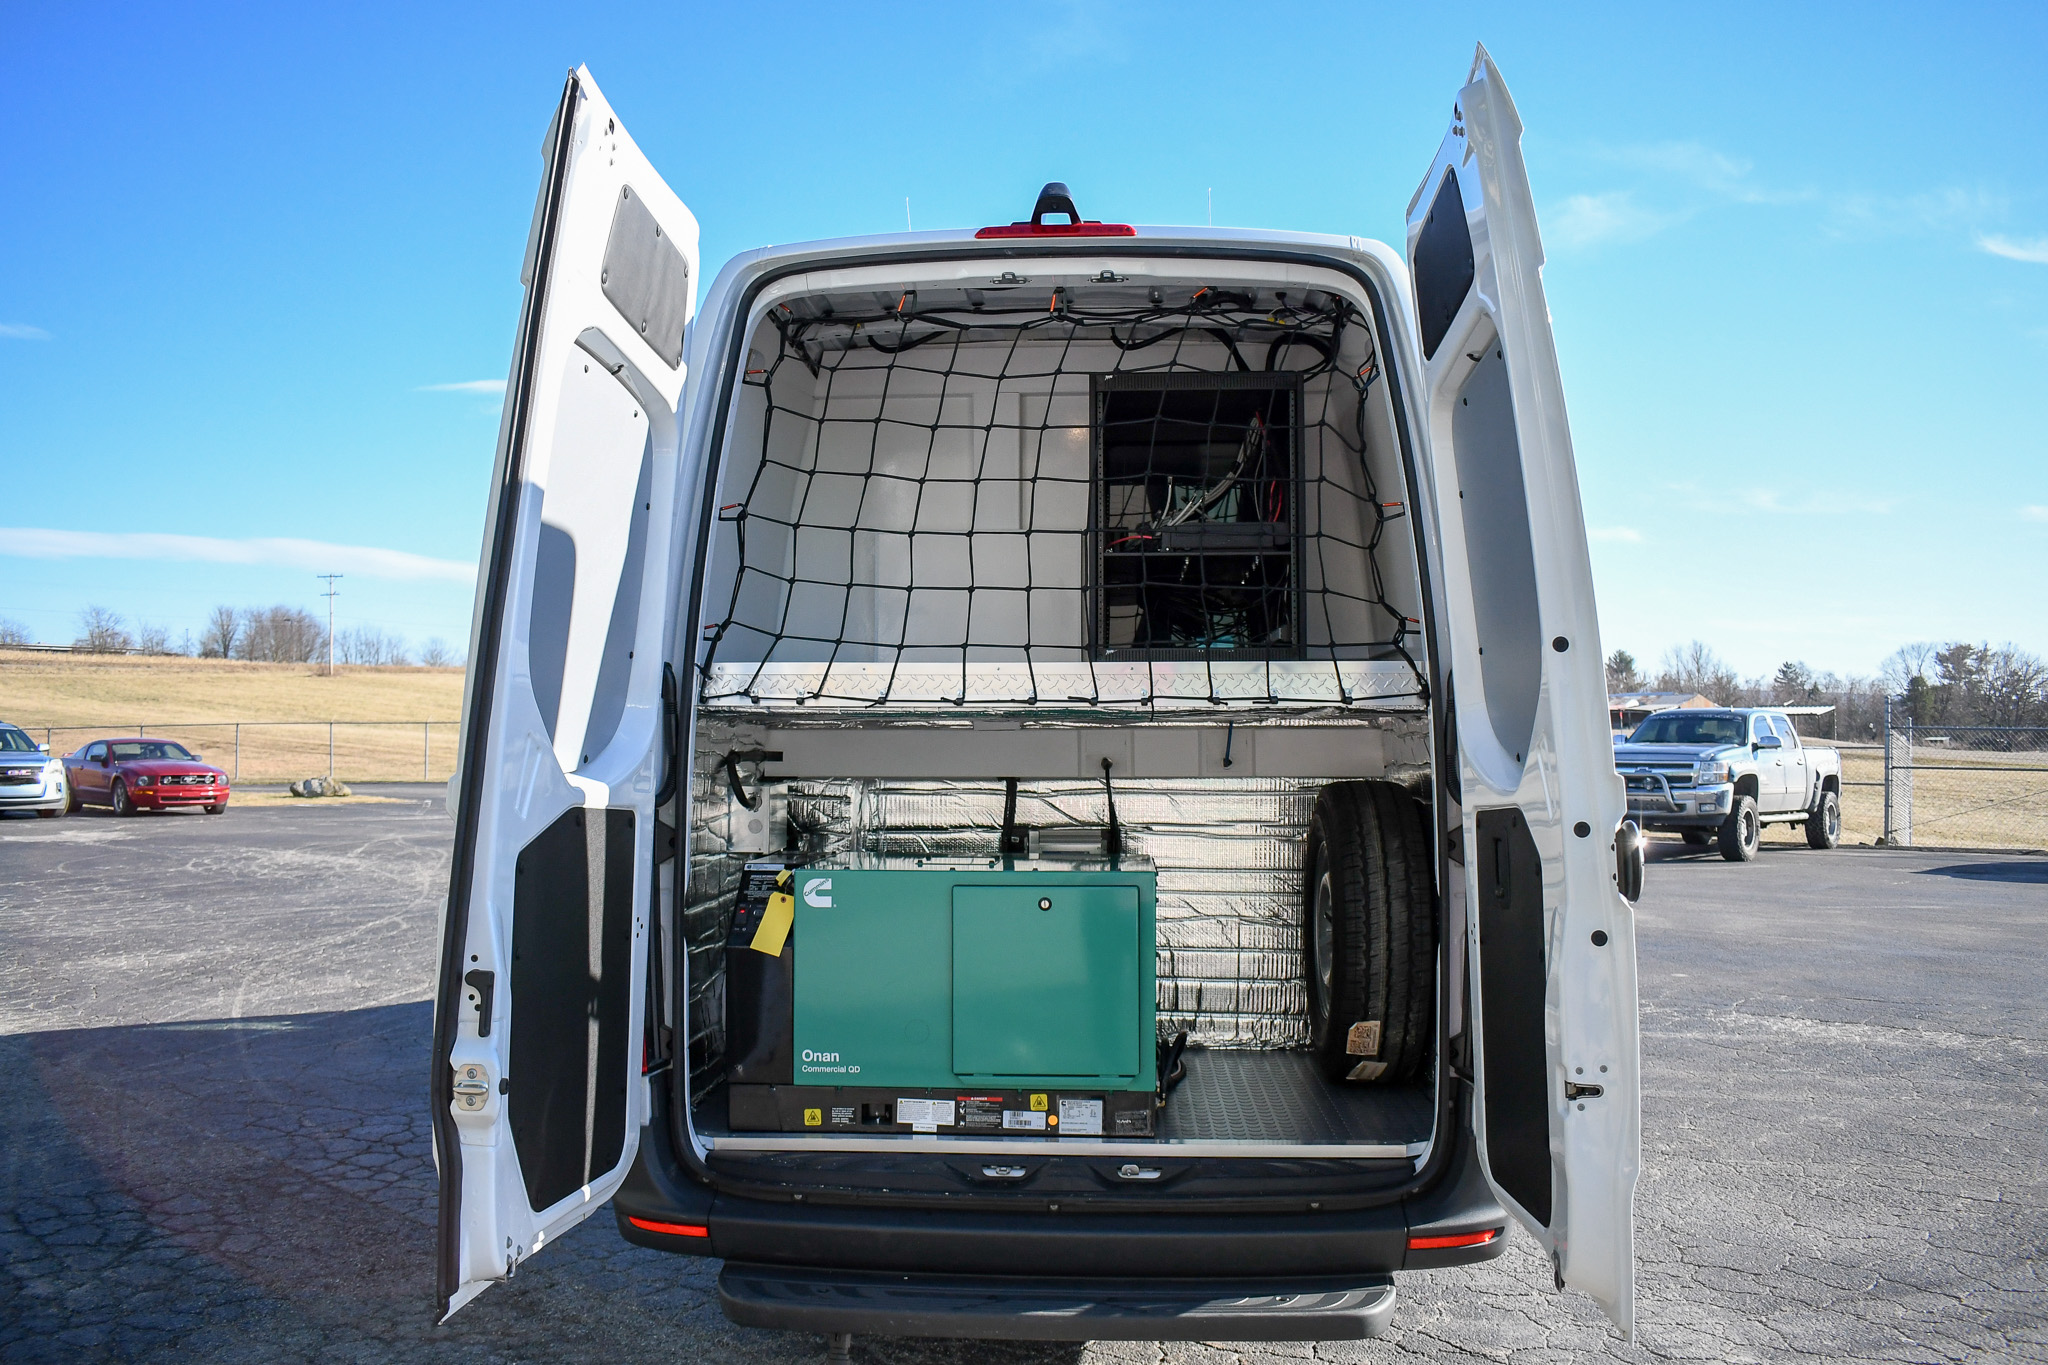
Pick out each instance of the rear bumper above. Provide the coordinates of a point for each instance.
(1324, 1309)
(1174, 1244)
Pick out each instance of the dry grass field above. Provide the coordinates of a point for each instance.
(263, 722)
(268, 723)
(1955, 809)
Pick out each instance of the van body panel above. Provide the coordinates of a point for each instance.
(539, 1099)
(1547, 928)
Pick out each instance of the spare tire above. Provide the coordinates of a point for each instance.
(1369, 932)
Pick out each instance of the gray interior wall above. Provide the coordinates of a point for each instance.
(937, 508)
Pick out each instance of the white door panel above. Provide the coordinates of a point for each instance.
(539, 1097)
(1549, 936)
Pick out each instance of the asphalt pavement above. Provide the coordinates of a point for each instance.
(214, 1138)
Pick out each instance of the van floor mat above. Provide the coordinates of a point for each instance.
(1281, 1097)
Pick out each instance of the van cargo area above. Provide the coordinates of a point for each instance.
(1059, 639)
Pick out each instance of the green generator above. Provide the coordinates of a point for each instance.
(945, 995)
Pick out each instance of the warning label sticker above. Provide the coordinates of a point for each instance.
(1080, 1118)
(925, 1115)
(842, 1114)
(1031, 1120)
(980, 1111)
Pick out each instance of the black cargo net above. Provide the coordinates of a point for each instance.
(1058, 504)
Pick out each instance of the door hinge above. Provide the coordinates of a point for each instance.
(664, 841)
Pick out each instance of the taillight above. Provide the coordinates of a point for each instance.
(1456, 1239)
(672, 1229)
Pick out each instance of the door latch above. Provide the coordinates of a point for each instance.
(1574, 1091)
(472, 1087)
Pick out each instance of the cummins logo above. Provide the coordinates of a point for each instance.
(818, 893)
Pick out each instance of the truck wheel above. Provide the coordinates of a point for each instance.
(1694, 838)
(1741, 831)
(1824, 824)
(1369, 932)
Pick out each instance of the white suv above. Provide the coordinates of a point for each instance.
(29, 778)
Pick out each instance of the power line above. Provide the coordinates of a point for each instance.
(331, 593)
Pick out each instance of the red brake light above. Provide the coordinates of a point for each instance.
(1059, 230)
(1458, 1239)
(672, 1229)
(1054, 198)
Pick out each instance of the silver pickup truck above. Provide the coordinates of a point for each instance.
(1726, 774)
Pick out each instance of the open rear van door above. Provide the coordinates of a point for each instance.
(537, 1091)
(1554, 987)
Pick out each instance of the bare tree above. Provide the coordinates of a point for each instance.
(100, 632)
(281, 634)
(151, 639)
(436, 654)
(1792, 684)
(368, 645)
(1696, 668)
(2013, 689)
(12, 632)
(223, 631)
(1906, 663)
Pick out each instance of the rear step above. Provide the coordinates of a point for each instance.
(836, 1302)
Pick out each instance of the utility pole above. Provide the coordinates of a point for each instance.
(331, 593)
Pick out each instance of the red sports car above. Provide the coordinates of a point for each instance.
(143, 774)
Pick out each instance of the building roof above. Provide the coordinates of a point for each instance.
(1655, 701)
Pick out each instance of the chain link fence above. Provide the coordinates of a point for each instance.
(263, 751)
(1961, 786)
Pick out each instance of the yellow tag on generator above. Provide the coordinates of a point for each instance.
(775, 924)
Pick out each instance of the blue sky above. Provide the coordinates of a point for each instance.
(259, 266)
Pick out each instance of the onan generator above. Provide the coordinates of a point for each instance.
(972, 996)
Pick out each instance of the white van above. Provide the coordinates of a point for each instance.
(1049, 781)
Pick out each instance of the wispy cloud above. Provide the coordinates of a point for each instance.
(2035, 512)
(312, 555)
(1725, 176)
(1818, 504)
(21, 331)
(1801, 503)
(2033, 251)
(494, 387)
(1585, 220)
(1691, 176)
(1623, 535)
(1904, 215)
